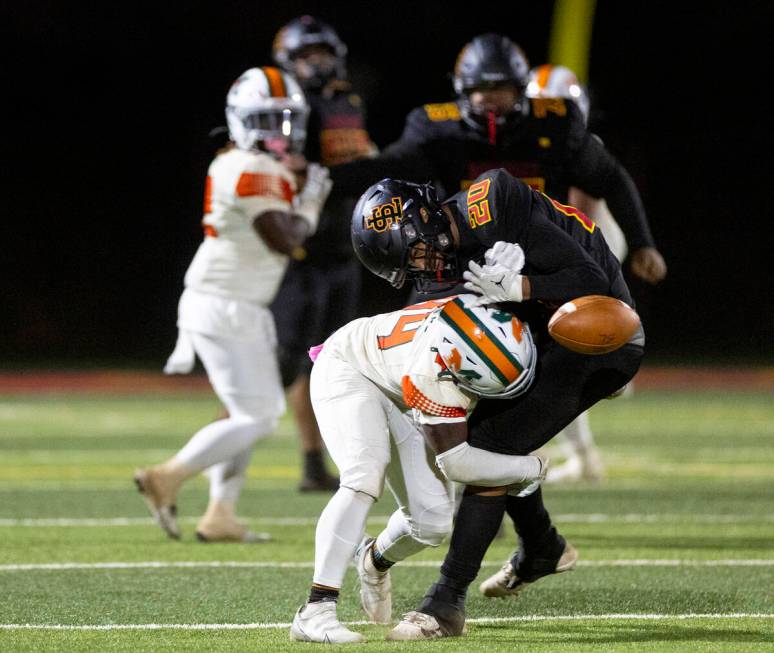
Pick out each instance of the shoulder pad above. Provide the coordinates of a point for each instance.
(542, 106)
(443, 111)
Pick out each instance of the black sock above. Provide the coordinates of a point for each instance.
(537, 534)
(380, 562)
(318, 594)
(478, 519)
(314, 465)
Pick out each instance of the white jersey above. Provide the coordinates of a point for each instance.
(397, 351)
(233, 262)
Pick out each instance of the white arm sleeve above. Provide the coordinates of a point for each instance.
(473, 466)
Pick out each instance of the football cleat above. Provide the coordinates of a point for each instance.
(230, 533)
(419, 625)
(520, 571)
(159, 491)
(416, 625)
(375, 585)
(219, 524)
(588, 467)
(317, 622)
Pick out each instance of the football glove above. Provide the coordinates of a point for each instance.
(316, 189)
(495, 283)
(509, 255)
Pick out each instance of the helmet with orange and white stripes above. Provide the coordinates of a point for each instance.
(549, 81)
(266, 109)
(488, 351)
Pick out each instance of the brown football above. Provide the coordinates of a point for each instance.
(593, 324)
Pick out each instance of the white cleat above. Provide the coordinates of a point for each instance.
(375, 585)
(416, 625)
(317, 622)
(219, 524)
(588, 467)
(506, 582)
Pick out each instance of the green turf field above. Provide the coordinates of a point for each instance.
(676, 547)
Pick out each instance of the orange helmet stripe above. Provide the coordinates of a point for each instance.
(544, 72)
(481, 341)
(276, 83)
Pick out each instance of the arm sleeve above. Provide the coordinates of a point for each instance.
(473, 466)
(600, 174)
(558, 267)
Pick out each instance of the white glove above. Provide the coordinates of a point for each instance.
(495, 283)
(509, 255)
(312, 197)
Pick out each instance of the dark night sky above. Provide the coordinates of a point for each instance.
(106, 150)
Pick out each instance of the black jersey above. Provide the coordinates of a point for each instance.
(566, 255)
(336, 133)
(548, 147)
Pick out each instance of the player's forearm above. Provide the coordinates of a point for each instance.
(625, 203)
(282, 232)
(601, 175)
(473, 466)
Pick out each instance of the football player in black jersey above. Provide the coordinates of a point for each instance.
(492, 124)
(554, 254)
(319, 293)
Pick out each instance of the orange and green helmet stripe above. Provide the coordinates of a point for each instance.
(503, 364)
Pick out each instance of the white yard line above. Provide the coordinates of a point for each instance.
(478, 620)
(267, 564)
(577, 518)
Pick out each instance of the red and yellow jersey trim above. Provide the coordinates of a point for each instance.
(415, 398)
(442, 112)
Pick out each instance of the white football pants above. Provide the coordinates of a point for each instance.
(372, 442)
(245, 377)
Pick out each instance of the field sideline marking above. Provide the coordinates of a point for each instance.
(575, 518)
(266, 564)
(478, 620)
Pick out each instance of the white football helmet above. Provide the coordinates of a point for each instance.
(488, 351)
(548, 81)
(263, 104)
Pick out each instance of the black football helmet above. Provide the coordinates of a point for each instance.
(387, 223)
(490, 60)
(305, 31)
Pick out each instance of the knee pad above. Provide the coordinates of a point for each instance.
(365, 478)
(434, 524)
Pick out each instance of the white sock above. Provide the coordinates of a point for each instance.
(395, 542)
(227, 478)
(339, 531)
(222, 440)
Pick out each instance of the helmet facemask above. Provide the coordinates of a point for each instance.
(266, 114)
(400, 231)
(490, 61)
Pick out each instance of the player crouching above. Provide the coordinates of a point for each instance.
(437, 359)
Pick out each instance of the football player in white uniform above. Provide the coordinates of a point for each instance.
(254, 221)
(582, 457)
(435, 359)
